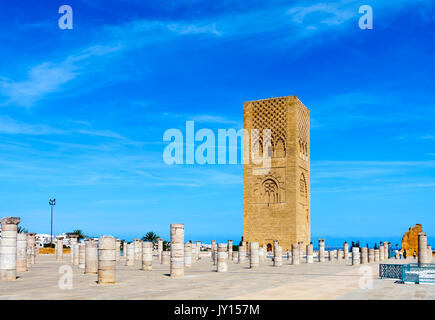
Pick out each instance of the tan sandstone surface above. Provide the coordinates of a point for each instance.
(329, 280)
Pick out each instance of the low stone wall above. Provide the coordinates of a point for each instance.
(51, 250)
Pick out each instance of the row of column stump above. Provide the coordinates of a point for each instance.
(17, 250)
(17, 253)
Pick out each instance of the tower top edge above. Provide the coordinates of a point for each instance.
(291, 98)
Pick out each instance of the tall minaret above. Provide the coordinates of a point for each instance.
(276, 202)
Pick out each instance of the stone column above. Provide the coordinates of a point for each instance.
(310, 253)
(371, 255)
(265, 251)
(254, 259)
(242, 254)
(346, 251)
(59, 248)
(230, 248)
(106, 260)
(301, 251)
(91, 257)
(429, 254)
(124, 250)
(118, 250)
(422, 247)
(222, 264)
(160, 249)
(213, 252)
(193, 249)
(295, 254)
(198, 249)
(165, 257)
(137, 250)
(339, 254)
(82, 255)
(277, 256)
(377, 255)
(261, 255)
(330, 255)
(21, 252)
(177, 250)
(287, 253)
(321, 250)
(381, 252)
(355, 256)
(386, 251)
(72, 241)
(275, 245)
(31, 243)
(147, 256)
(187, 255)
(130, 255)
(8, 248)
(364, 255)
(76, 249)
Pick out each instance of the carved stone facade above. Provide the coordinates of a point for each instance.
(276, 204)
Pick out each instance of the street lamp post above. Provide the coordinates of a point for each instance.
(51, 202)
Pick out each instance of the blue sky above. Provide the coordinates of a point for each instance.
(83, 111)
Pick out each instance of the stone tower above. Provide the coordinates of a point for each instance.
(276, 204)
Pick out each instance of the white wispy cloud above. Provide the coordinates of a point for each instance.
(428, 137)
(202, 118)
(334, 13)
(208, 118)
(418, 185)
(101, 133)
(41, 80)
(356, 176)
(374, 163)
(364, 108)
(50, 76)
(194, 29)
(370, 171)
(11, 126)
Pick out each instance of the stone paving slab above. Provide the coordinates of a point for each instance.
(328, 280)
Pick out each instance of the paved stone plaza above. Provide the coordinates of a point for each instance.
(327, 280)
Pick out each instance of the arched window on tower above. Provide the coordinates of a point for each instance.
(300, 149)
(280, 149)
(303, 186)
(257, 149)
(306, 151)
(271, 192)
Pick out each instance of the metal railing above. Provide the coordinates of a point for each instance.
(391, 271)
(413, 272)
(419, 273)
